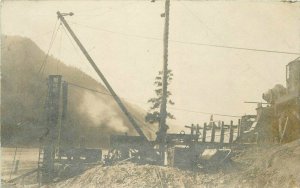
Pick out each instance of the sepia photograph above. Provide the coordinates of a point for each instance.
(150, 93)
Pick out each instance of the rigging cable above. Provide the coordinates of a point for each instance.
(93, 90)
(41, 70)
(74, 47)
(60, 49)
(103, 93)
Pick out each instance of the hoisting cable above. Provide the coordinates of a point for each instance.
(74, 47)
(93, 90)
(42, 67)
(177, 109)
(60, 50)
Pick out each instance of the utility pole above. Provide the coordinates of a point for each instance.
(91, 61)
(162, 133)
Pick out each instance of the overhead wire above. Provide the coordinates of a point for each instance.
(187, 42)
(197, 18)
(208, 113)
(194, 15)
(238, 48)
(191, 43)
(73, 84)
(105, 12)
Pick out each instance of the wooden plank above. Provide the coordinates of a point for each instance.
(23, 175)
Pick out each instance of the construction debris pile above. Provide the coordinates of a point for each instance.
(275, 166)
(132, 175)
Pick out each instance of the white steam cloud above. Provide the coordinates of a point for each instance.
(101, 112)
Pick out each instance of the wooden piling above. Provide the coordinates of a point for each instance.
(213, 132)
(222, 133)
(192, 129)
(204, 133)
(239, 128)
(16, 168)
(197, 129)
(231, 132)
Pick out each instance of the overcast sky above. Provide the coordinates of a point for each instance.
(124, 39)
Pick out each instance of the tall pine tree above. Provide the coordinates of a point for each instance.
(153, 115)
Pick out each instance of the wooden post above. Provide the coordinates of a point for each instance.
(192, 129)
(13, 163)
(239, 128)
(197, 132)
(23, 183)
(197, 129)
(213, 132)
(222, 133)
(204, 133)
(16, 167)
(170, 156)
(231, 132)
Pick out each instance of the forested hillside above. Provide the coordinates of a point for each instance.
(23, 93)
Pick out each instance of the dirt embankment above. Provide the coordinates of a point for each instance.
(275, 166)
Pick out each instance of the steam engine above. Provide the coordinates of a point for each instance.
(285, 105)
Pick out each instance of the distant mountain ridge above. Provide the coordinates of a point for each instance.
(23, 91)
